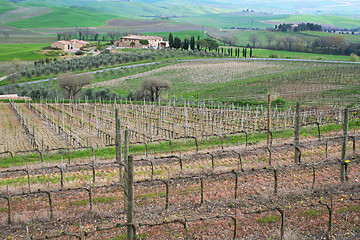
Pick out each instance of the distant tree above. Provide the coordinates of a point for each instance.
(88, 94)
(132, 44)
(72, 84)
(6, 35)
(269, 38)
(151, 88)
(192, 43)
(208, 43)
(253, 38)
(177, 43)
(144, 42)
(171, 41)
(186, 44)
(96, 37)
(231, 40)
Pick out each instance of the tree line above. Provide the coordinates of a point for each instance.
(299, 27)
(192, 44)
(88, 34)
(336, 44)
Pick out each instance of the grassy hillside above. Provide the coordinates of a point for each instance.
(64, 17)
(23, 35)
(25, 51)
(181, 34)
(257, 20)
(229, 20)
(242, 36)
(240, 80)
(336, 21)
(133, 9)
(6, 6)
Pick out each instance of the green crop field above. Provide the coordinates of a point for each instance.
(228, 20)
(5, 6)
(64, 17)
(24, 51)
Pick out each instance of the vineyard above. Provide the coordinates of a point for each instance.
(239, 80)
(49, 126)
(222, 172)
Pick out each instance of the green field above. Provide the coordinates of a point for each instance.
(242, 36)
(64, 17)
(229, 20)
(23, 35)
(24, 51)
(131, 9)
(181, 34)
(262, 21)
(337, 21)
(261, 53)
(5, 6)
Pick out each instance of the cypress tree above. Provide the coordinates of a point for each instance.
(171, 41)
(250, 52)
(177, 43)
(192, 43)
(186, 44)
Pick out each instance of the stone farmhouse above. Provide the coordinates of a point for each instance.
(73, 44)
(137, 41)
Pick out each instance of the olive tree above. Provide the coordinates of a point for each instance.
(72, 84)
(151, 88)
(253, 38)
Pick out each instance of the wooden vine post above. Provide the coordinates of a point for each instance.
(282, 229)
(344, 146)
(202, 190)
(269, 119)
(297, 134)
(118, 145)
(130, 198)
(330, 209)
(126, 159)
(275, 181)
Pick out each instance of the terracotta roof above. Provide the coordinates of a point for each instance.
(79, 41)
(63, 42)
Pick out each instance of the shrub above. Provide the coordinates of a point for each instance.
(278, 102)
(354, 57)
(79, 53)
(273, 55)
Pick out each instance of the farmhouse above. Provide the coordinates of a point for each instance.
(73, 44)
(137, 41)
